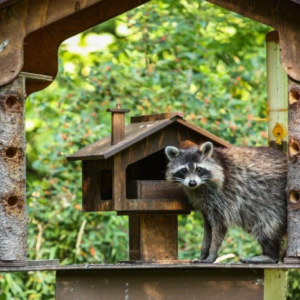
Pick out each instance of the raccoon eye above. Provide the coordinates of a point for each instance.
(184, 170)
(199, 169)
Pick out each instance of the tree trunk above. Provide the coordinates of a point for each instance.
(293, 186)
(13, 215)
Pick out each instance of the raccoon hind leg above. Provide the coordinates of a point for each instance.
(271, 249)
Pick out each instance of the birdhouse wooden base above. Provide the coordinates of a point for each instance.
(153, 237)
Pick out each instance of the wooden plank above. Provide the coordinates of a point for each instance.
(156, 189)
(13, 215)
(156, 117)
(275, 284)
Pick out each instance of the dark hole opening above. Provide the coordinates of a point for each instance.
(152, 167)
(11, 101)
(13, 201)
(11, 152)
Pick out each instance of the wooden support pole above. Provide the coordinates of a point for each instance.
(277, 90)
(13, 215)
(153, 237)
(275, 284)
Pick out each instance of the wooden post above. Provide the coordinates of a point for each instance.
(277, 91)
(13, 215)
(153, 237)
(293, 178)
(275, 284)
(117, 124)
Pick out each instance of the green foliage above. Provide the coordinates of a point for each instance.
(164, 56)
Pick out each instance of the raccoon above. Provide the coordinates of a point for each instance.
(242, 186)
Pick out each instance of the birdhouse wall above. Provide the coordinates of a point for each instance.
(97, 185)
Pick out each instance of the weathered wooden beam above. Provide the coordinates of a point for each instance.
(13, 216)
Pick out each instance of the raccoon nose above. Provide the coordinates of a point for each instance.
(192, 183)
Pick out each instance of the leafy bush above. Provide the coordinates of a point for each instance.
(164, 56)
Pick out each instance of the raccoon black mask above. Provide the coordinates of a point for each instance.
(194, 166)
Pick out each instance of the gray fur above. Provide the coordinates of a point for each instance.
(242, 186)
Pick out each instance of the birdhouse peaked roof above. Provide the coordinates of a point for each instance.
(139, 128)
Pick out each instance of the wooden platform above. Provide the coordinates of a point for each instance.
(144, 280)
(53, 265)
(183, 281)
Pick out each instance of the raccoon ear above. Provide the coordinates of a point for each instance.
(206, 149)
(172, 152)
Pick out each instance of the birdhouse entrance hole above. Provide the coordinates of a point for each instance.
(152, 167)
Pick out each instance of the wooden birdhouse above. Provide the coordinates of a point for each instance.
(125, 172)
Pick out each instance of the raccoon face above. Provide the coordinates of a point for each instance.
(190, 167)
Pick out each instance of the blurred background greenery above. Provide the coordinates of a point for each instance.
(167, 55)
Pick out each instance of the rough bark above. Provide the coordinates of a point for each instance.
(13, 215)
(293, 186)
